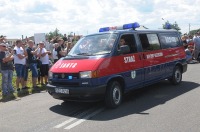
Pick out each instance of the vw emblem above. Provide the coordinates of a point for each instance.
(63, 75)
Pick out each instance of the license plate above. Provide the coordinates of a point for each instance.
(63, 91)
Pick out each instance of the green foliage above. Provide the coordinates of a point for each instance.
(192, 32)
(55, 33)
(29, 83)
(172, 26)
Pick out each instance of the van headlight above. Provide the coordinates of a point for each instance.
(50, 75)
(88, 74)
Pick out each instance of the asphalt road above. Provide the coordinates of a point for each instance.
(158, 108)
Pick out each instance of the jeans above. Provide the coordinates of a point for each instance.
(19, 68)
(7, 76)
(33, 67)
(26, 73)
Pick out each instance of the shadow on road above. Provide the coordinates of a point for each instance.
(72, 108)
(135, 102)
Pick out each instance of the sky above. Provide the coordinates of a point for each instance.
(82, 17)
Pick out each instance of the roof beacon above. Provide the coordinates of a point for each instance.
(125, 26)
(131, 26)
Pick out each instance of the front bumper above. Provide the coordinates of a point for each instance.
(78, 93)
(184, 67)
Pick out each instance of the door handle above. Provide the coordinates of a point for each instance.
(144, 56)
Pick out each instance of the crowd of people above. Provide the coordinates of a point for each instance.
(192, 47)
(25, 56)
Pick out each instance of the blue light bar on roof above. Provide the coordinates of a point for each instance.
(167, 26)
(125, 26)
(131, 25)
(104, 29)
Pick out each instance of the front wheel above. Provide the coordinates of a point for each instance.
(177, 76)
(113, 96)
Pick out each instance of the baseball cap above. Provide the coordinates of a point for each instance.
(3, 44)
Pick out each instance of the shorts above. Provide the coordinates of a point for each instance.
(26, 73)
(33, 68)
(19, 68)
(44, 69)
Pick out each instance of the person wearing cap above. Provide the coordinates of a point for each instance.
(7, 71)
(19, 61)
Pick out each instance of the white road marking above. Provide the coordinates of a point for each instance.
(72, 119)
(84, 119)
(80, 117)
(65, 122)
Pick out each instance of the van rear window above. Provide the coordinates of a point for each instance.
(169, 40)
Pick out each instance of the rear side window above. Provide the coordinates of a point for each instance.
(149, 42)
(169, 40)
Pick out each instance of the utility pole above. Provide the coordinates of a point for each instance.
(189, 28)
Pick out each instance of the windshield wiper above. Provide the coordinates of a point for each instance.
(84, 54)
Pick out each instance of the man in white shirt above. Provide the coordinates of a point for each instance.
(196, 50)
(19, 61)
(44, 58)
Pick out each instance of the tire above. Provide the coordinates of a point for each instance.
(113, 97)
(177, 76)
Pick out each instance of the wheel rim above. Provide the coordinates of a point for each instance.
(178, 75)
(116, 95)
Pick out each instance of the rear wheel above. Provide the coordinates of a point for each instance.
(177, 76)
(113, 96)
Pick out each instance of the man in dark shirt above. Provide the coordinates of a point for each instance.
(60, 51)
(32, 61)
(6, 70)
(65, 38)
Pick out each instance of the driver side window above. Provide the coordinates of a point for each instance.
(128, 39)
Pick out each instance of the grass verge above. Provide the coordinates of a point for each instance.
(21, 93)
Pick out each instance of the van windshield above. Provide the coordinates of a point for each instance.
(94, 45)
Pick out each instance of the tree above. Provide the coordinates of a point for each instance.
(168, 25)
(192, 32)
(55, 33)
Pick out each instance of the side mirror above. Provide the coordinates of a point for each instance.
(124, 49)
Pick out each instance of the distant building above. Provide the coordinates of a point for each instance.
(11, 41)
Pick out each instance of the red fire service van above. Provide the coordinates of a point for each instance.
(105, 65)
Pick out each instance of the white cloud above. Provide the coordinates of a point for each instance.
(24, 17)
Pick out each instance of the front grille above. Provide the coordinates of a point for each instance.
(70, 84)
(66, 75)
(66, 79)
